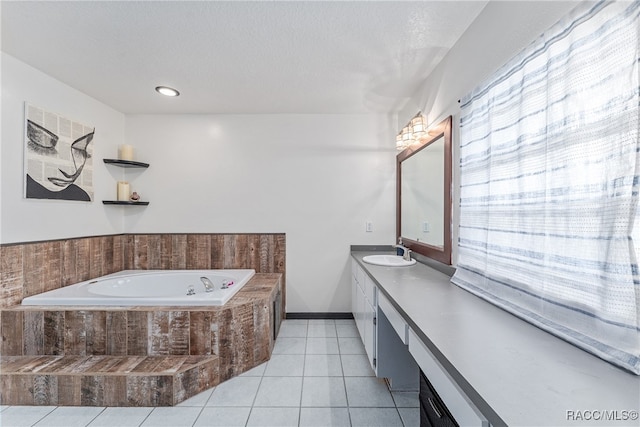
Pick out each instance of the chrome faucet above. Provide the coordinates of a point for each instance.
(406, 252)
(208, 285)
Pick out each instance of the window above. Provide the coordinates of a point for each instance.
(549, 183)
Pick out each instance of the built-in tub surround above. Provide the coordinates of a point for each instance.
(131, 288)
(240, 333)
(234, 337)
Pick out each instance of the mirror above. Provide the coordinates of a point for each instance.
(423, 194)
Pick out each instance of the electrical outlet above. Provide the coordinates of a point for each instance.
(425, 226)
(368, 226)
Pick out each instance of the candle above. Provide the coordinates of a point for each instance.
(125, 152)
(123, 191)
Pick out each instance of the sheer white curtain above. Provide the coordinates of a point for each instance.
(550, 179)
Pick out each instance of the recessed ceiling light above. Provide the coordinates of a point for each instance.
(167, 91)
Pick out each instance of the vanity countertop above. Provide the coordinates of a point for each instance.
(515, 373)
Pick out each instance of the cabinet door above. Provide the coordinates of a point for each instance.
(354, 295)
(369, 338)
(360, 313)
(370, 290)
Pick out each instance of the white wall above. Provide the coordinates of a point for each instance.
(502, 29)
(23, 219)
(317, 178)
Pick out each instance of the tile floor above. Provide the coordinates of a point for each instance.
(318, 375)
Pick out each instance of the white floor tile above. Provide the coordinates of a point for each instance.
(351, 346)
(292, 345)
(279, 391)
(273, 417)
(121, 417)
(199, 399)
(70, 416)
(172, 417)
(356, 365)
(324, 417)
(345, 322)
(3, 407)
(223, 417)
(317, 322)
(238, 391)
(292, 330)
(258, 371)
(347, 330)
(18, 416)
(375, 417)
(323, 392)
(322, 365)
(285, 365)
(322, 346)
(322, 330)
(295, 322)
(368, 392)
(410, 416)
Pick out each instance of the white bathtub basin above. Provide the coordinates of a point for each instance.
(388, 260)
(148, 288)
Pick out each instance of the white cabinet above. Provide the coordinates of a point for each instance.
(383, 332)
(369, 337)
(363, 306)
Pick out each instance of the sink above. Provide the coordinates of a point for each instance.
(388, 260)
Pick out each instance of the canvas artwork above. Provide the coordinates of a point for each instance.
(58, 160)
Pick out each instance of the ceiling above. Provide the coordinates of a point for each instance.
(238, 56)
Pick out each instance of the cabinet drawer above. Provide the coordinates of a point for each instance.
(463, 410)
(396, 320)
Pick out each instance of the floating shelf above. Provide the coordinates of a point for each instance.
(124, 202)
(126, 163)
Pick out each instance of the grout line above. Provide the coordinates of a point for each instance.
(94, 418)
(210, 395)
(44, 416)
(198, 417)
(304, 367)
(147, 417)
(255, 396)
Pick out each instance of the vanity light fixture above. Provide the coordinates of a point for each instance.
(418, 126)
(412, 132)
(167, 91)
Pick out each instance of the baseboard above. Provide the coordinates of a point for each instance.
(319, 316)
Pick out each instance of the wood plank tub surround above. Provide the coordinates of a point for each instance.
(238, 336)
(105, 380)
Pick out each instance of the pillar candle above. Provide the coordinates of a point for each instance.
(123, 191)
(125, 152)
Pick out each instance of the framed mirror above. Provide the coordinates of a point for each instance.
(423, 194)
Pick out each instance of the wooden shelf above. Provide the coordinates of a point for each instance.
(123, 202)
(126, 163)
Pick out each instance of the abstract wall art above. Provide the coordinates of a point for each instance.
(58, 156)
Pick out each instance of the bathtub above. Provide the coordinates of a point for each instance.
(148, 288)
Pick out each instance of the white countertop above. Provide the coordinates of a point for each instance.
(515, 373)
